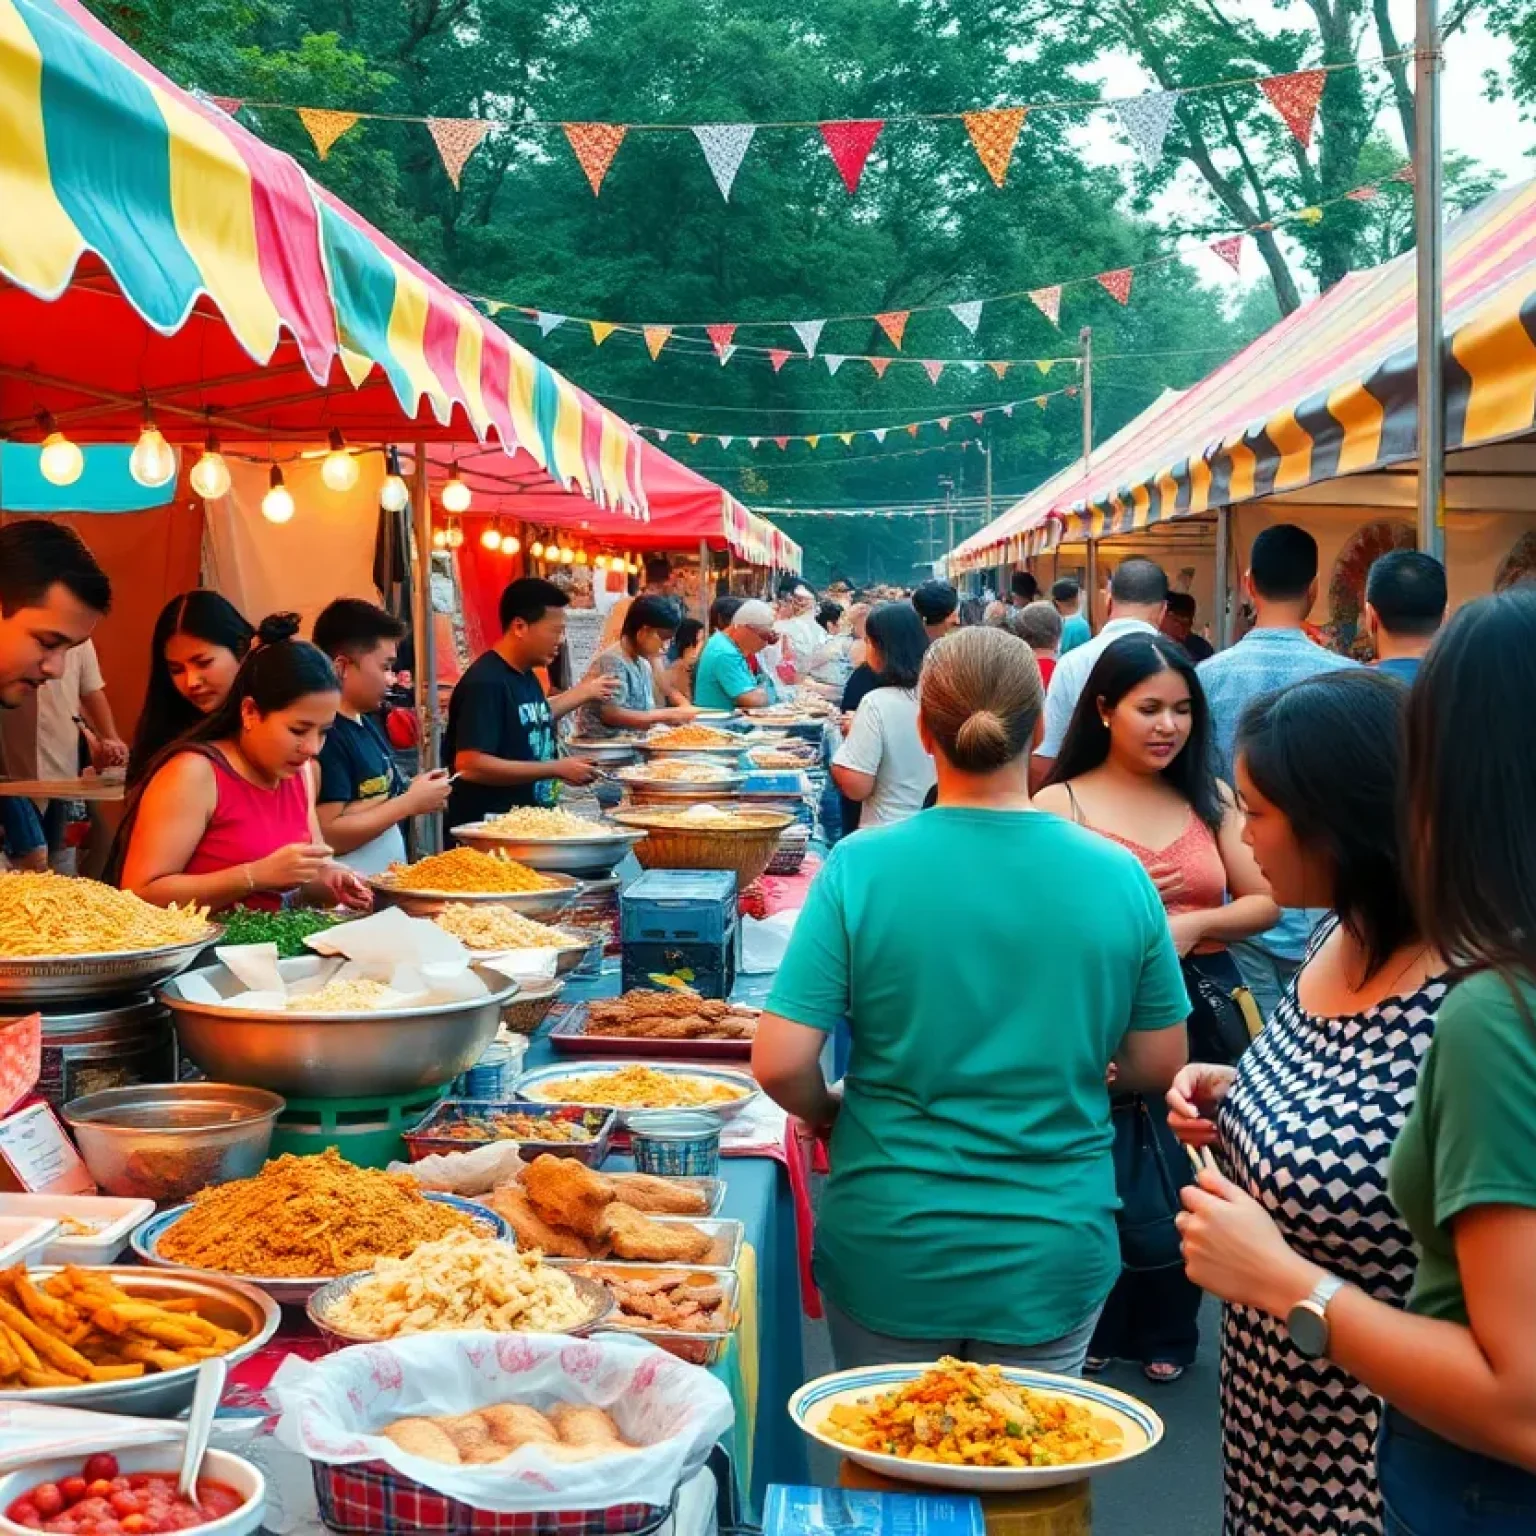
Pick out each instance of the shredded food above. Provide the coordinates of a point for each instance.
(636, 1087)
(501, 928)
(538, 822)
(708, 818)
(467, 869)
(49, 914)
(693, 736)
(682, 771)
(354, 996)
(307, 1216)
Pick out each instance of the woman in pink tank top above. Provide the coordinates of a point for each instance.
(1135, 767)
(226, 816)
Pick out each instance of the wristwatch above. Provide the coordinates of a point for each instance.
(1307, 1321)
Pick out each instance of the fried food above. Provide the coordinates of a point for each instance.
(42, 913)
(680, 736)
(532, 1231)
(566, 1128)
(423, 1437)
(658, 1197)
(540, 823)
(567, 1194)
(501, 928)
(467, 870)
(678, 1302)
(515, 1424)
(356, 995)
(682, 771)
(489, 1435)
(628, 1234)
(636, 1087)
(644, 1015)
(585, 1427)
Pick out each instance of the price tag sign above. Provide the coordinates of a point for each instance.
(38, 1157)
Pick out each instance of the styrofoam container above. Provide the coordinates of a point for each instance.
(120, 1216)
(22, 1237)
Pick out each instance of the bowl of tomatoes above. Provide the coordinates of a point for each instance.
(132, 1493)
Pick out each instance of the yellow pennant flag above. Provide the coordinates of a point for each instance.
(601, 331)
(325, 126)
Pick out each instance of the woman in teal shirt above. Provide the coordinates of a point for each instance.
(1457, 1453)
(992, 962)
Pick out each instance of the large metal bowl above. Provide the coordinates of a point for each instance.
(50, 978)
(336, 1055)
(714, 754)
(597, 751)
(163, 1395)
(595, 855)
(567, 956)
(166, 1141)
(389, 893)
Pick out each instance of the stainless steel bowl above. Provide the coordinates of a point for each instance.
(49, 978)
(595, 855)
(227, 1303)
(166, 1141)
(567, 956)
(661, 793)
(566, 890)
(595, 751)
(715, 754)
(336, 1055)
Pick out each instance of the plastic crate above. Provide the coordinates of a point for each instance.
(673, 906)
(709, 968)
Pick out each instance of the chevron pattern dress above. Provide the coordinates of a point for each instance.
(1306, 1130)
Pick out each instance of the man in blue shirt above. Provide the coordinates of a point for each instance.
(1067, 596)
(723, 679)
(1281, 582)
(1405, 603)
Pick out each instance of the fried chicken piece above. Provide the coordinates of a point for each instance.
(423, 1437)
(587, 1427)
(566, 1193)
(658, 1197)
(631, 1235)
(531, 1229)
(516, 1424)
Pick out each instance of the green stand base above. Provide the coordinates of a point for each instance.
(367, 1132)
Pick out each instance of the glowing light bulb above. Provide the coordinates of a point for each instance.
(153, 460)
(567, 557)
(59, 461)
(490, 539)
(210, 475)
(394, 494)
(600, 562)
(277, 504)
(455, 536)
(456, 497)
(439, 538)
(510, 545)
(339, 469)
(536, 549)
(581, 557)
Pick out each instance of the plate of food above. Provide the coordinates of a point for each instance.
(980, 1429)
(703, 740)
(567, 1130)
(472, 877)
(682, 772)
(657, 1024)
(550, 839)
(631, 1085)
(489, 931)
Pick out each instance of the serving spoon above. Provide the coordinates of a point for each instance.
(211, 1375)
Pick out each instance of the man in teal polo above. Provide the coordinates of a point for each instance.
(724, 678)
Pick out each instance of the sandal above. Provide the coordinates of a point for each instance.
(1096, 1365)
(1162, 1372)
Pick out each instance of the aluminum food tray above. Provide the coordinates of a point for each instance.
(728, 1237)
(695, 1348)
(569, 1038)
(728, 1109)
(426, 1138)
(50, 978)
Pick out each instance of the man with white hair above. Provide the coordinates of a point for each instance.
(724, 678)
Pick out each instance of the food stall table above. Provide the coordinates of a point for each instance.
(91, 787)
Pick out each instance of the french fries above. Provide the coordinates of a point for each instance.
(75, 1328)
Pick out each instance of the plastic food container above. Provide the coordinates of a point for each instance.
(112, 1221)
(675, 1145)
(430, 1135)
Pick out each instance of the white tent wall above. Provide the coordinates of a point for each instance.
(1186, 551)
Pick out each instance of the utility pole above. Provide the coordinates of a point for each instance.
(949, 510)
(986, 448)
(1426, 207)
(1085, 338)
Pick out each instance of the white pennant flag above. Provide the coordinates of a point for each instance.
(547, 322)
(809, 332)
(725, 147)
(879, 434)
(1147, 120)
(833, 360)
(753, 441)
(968, 314)
(662, 434)
(727, 352)
(725, 442)
(970, 365)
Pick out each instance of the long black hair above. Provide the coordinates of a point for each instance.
(1125, 664)
(1327, 752)
(898, 634)
(166, 713)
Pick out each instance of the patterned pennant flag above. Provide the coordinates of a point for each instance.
(879, 364)
(1404, 174)
(783, 443)
(1295, 98)
(548, 322)
(968, 314)
(933, 368)
(846, 439)
(849, 143)
(727, 352)
(812, 440)
(943, 423)
(725, 147)
(1230, 249)
(894, 323)
(993, 135)
(1045, 364)
(809, 332)
(720, 337)
(1048, 302)
(1362, 195)
(656, 338)
(601, 331)
(595, 145)
(778, 356)
(834, 361)
(1147, 120)
(878, 433)
(1117, 284)
(999, 367)
(457, 138)
(228, 104)
(325, 126)
(978, 417)
(725, 442)
(693, 439)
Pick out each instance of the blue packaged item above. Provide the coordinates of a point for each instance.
(855, 1512)
(675, 906)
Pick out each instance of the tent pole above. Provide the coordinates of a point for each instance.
(1222, 594)
(1091, 575)
(426, 640)
(1427, 211)
(704, 575)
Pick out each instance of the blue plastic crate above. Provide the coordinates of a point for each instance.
(678, 906)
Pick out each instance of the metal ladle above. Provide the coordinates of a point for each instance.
(211, 1376)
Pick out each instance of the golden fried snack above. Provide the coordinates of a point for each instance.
(659, 1197)
(532, 1231)
(630, 1235)
(515, 1424)
(423, 1437)
(472, 1439)
(586, 1427)
(567, 1194)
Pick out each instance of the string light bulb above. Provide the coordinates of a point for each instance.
(491, 538)
(277, 504)
(567, 557)
(439, 538)
(456, 497)
(510, 544)
(600, 562)
(210, 475)
(536, 549)
(394, 494)
(339, 469)
(153, 460)
(455, 536)
(59, 461)
(581, 557)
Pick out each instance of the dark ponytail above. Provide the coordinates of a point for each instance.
(279, 670)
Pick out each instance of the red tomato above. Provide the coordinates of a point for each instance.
(100, 1487)
(135, 1525)
(22, 1510)
(73, 1489)
(124, 1502)
(100, 1466)
(47, 1499)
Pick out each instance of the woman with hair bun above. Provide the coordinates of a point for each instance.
(226, 814)
(971, 1205)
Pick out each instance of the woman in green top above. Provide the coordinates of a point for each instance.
(992, 962)
(1457, 1454)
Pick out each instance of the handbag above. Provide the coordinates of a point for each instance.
(1150, 1170)
(1220, 1029)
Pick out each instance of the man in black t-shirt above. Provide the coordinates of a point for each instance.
(501, 724)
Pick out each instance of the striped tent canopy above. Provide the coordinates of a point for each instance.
(152, 247)
(1329, 391)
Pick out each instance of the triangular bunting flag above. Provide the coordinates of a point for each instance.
(943, 423)
(878, 433)
(1117, 284)
(656, 338)
(1040, 401)
(548, 322)
(846, 438)
(693, 438)
(1405, 173)
(1008, 409)
(912, 428)
(1310, 216)
(457, 138)
(849, 143)
(778, 356)
(978, 417)
(325, 126)
(933, 368)
(595, 145)
(725, 442)
(1230, 249)
(783, 443)
(752, 442)
(994, 134)
(601, 331)
(1045, 364)
(725, 146)
(968, 314)
(1146, 119)
(1048, 302)
(229, 104)
(1295, 98)
(833, 360)
(494, 306)
(1362, 195)
(1071, 391)
(894, 323)
(998, 367)
(662, 434)
(811, 441)
(720, 336)
(727, 352)
(879, 364)
(809, 332)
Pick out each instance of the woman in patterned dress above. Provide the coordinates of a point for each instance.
(1306, 1121)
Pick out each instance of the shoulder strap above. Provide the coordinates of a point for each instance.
(1077, 810)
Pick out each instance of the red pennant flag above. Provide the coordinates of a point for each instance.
(977, 417)
(457, 138)
(994, 134)
(229, 104)
(850, 143)
(1405, 174)
(944, 423)
(1295, 98)
(933, 368)
(894, 323)
(595, 145)
(720, 336)
(656, 338)
(1362, 195)
(778, 356)
(325, 126)
(1230, 249)
(1117, 284)
(879, 364)
(783, 442)
(1071, 391)
(999, 368)
(912, 429)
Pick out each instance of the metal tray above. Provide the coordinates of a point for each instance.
(530, 1082)
(566, 892)
(568, 1038)
(713, 1191)
(695, 1348)
(49, 978)
(423, 1139)
(728, 1236)
(662, 749)
(290, 1290)
(596, 855)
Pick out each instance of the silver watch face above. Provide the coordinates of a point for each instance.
(1308, 1328)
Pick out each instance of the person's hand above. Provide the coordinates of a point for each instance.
(1169, 880)
(290, 867)
(1233, 1249)
(573, 770)
(1187, 930)
(1193, 1100)
(342, 888)
(680, 715)
(822, 1130)
(428, 793)
(108, 752)
(599, 689)
(845, 724)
